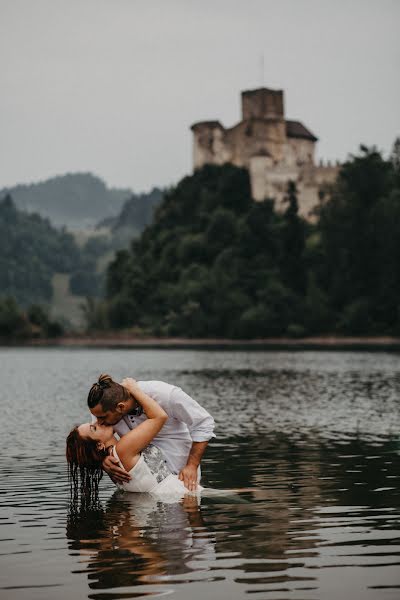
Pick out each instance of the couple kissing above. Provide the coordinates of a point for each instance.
(162, 436)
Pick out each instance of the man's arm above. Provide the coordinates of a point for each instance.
(110, 463)
(201, 427)
(189, 472)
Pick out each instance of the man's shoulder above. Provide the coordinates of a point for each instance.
(154, 383)
(159, 390)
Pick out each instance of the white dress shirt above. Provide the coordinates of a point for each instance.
(187, 422)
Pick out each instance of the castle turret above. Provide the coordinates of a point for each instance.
(208, 143)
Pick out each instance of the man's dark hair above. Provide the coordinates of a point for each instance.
(106, 392)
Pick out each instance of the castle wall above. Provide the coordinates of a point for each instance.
(308, 199)
(258, 167)
(209, 146)
(326, 174)
(271, 181)
(299, 151)
(256, 137)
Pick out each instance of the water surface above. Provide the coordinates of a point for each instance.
(314, 435)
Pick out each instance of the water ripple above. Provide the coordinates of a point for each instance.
(311, 437)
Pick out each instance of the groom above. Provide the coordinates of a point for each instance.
(183, 439)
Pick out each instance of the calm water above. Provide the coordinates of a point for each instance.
(314, 434)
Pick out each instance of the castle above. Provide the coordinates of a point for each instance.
(273, 149)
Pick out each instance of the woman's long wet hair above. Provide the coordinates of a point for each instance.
(84, 465)
(83, 456)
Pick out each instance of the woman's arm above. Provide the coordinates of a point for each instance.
(129, 446)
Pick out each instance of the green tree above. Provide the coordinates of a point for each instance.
(359, 237)
(293, 243)
(31, 251)
(215, 263)
(12, 320)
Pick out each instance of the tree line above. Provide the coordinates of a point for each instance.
(17, 323)
(214, 263)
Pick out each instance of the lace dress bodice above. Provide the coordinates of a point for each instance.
(155, 462)
(151, 474)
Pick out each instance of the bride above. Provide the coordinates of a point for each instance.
(88, 444)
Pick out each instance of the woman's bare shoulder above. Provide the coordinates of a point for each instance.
(127, 460)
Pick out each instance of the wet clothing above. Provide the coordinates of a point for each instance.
(187, 422)
(151, 474)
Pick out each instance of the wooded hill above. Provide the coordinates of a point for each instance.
(136, 213)
(216, 264)
(31, 250)
(40, 263)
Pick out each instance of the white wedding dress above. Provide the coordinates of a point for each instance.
(151, 475)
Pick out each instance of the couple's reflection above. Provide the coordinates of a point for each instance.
(137, 540)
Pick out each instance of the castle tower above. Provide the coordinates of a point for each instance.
(262, 104)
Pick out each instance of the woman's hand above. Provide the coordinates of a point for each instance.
(129, 383)
(114, 471)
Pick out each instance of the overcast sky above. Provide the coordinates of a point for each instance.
(112, 86)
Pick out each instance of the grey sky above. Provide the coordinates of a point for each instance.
(112, 86)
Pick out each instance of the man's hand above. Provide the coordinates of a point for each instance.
(189, 477)
(189, 473)
(116, 474)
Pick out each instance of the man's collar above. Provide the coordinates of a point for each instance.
(137, 411)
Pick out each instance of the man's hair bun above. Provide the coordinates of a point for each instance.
(108, 392)
(105, 380)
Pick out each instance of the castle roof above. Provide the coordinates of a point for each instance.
(260, 90)
(295, 129)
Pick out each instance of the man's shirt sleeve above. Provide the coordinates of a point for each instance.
(183, 408)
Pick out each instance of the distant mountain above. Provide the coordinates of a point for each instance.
(76, 200)
(137, 212)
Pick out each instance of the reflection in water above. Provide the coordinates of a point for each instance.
(137, 539)
(315, 434)
(316, 506)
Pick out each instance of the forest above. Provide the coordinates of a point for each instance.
(216, 264)
(32, 251)
(212, 263)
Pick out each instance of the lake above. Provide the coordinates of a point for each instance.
(315, 435)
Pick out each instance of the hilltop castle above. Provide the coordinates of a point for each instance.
(273, 149)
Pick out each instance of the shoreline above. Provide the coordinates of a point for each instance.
(131, 342)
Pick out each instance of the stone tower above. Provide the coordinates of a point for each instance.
(274, 150)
